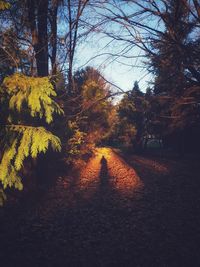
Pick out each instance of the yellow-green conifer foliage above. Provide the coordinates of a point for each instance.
(4, 5)
(36, 93)
(20, 94)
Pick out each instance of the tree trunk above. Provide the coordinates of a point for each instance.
(37, 15)
(53, 21)
(42, 53)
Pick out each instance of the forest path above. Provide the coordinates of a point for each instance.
(121, 211)
(108, 171)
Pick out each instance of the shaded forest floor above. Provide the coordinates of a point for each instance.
(123, 210)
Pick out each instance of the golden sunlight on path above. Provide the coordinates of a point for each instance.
(109, 170)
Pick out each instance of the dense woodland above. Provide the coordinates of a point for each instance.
(51, 110)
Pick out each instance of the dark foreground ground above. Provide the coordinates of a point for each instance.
(135, 211)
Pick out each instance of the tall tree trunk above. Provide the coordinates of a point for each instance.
(73, 23)
(70, 50)
(37, 15)
(42, 53)
(54, 13)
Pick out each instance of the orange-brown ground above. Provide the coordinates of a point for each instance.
(122, 210)
(115, 172)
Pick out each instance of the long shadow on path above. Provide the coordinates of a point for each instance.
(104, 176)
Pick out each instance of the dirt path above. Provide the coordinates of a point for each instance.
(130, 211)
(107, 169)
